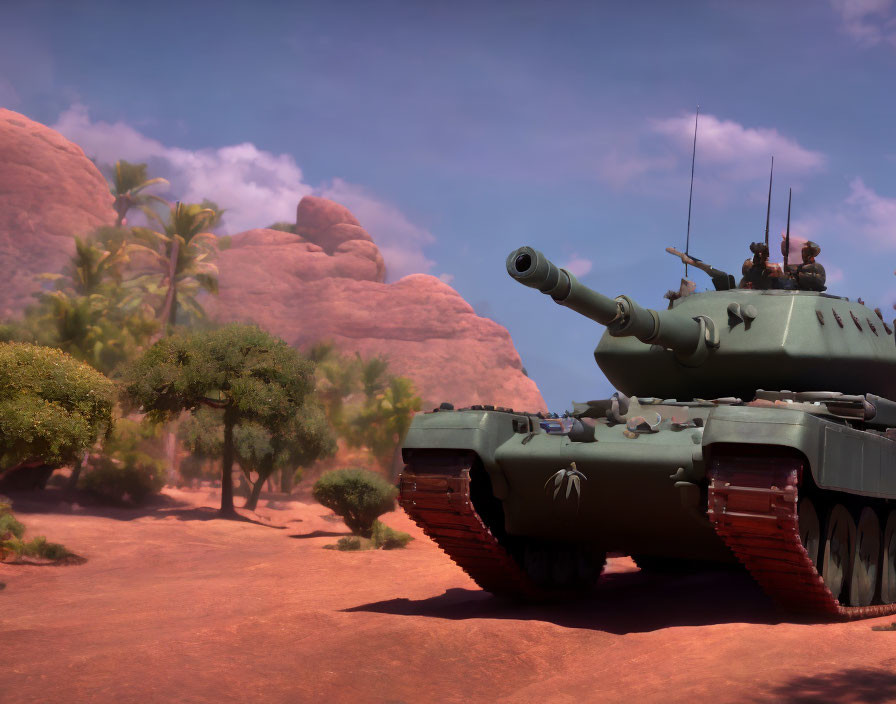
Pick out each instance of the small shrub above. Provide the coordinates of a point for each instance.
(130, 480)
(10, 527)
(11, 532)
(388, 538)
(349, 543)
(36, 547)
(358, 496)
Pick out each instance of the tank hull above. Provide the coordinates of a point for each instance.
(660, 485)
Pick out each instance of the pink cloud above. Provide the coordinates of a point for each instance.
(578, 266)
(871, 215)
(742, 153)
(868, 22)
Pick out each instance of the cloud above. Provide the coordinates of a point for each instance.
(655, 155)
(400, 241)
(446, 278)
(255, 187)
(873, 216)
(740, 153)
(578, 266)
(868, 22)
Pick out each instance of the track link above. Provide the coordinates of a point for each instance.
(435, 492)
(753, 506)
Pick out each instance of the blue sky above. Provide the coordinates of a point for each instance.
(459, 131)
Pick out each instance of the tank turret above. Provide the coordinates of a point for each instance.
(727, 342)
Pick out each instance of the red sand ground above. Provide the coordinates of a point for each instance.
(176, 605)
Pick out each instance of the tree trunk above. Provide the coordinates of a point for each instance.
(264, 473)
(121, 207)
(286, 480)
(169, 310)
(72, 485)
(252, 501)
(230, 418)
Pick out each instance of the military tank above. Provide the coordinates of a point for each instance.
(744, 432)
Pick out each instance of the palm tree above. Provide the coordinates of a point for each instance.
(383, 422)
(129, 180)
(92, 314)
(183, 249)
(337, 378)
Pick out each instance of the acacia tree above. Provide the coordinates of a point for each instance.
(242, 370)
(52, 407)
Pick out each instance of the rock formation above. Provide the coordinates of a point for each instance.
(327, 283)
(49, 191)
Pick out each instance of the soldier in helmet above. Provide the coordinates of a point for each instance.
(759, 272)
(810, 275)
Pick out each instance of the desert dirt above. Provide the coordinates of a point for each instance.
(177, 605)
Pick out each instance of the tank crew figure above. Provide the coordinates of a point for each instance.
(759, 272)
(810, 275)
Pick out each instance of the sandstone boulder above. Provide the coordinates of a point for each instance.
(49, 191)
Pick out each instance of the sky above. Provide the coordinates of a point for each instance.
(457, 132)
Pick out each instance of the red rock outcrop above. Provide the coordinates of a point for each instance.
(333, 289)
(327, 282)
(49, 191)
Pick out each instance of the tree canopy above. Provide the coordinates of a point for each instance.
(242, 370)
(52, 407)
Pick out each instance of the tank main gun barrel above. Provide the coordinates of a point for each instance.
(688, 337)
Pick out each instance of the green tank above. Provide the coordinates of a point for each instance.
(745, 432)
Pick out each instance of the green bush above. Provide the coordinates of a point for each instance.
(11, 532)
(10, 527)
(388, 538)
(132, 479)
(358, 496)
(350, 544)
(36, 547)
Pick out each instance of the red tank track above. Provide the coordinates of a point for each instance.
(435, 492)
(753, 506)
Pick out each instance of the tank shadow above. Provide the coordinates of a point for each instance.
(626, 602)
(857, 684)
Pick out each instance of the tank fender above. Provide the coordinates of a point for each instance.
(840, 457)
(479, 431)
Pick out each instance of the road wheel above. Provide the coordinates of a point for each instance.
(866, 560)
(888, 566)
(839, 549)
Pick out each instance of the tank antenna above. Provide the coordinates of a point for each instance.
(687, 243)
(768, 212)
(787, 236)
